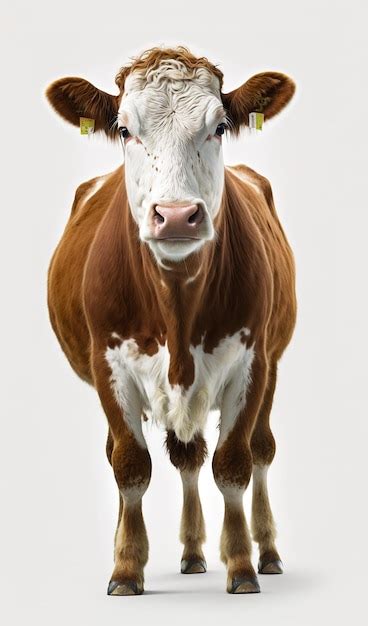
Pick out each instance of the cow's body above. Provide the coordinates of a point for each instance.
(239, 303)
(171, 341)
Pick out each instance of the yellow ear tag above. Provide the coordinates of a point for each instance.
(256, 120)
(87, 126)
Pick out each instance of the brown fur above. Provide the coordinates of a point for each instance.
(262, 442)
(192, 528)
(266, 93)
(263, 525)
(131, 547)
(102, 279)
(74, 97)
(186, 457)
(151, 59)
(235, 546)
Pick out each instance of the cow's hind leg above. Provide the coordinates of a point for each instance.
(263, 450)
(109, 450)
(189, 458)
(232, 468)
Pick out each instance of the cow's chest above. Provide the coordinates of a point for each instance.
(141, 383)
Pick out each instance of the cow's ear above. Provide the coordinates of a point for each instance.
(265, 93)
(74, 97)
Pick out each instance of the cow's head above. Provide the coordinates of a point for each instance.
(171, 115)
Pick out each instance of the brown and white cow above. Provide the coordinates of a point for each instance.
(172, 292)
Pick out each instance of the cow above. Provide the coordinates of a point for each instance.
(172, 292)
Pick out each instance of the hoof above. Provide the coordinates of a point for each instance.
(244, 585)
(193, 566)
(272, 567)
(128, 588)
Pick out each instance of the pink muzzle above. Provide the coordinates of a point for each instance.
(175, 221)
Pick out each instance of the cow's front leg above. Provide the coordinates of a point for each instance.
(132, 469)
(131, 463)
(232, 468)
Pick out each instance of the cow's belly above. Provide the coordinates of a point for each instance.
(141, 384)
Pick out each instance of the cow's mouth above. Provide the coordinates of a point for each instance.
(176, 239)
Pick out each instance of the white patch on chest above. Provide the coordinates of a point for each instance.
(141, 384)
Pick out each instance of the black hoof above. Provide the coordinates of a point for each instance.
(244, 585)
(193, 566)
(272, 567)
(128, 588)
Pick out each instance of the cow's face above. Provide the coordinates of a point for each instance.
(171, 124)
(171, 115)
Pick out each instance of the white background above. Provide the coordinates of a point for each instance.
(59, 499)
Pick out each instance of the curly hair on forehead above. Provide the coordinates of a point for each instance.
(151, 59)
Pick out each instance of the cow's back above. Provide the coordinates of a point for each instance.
(65, 293)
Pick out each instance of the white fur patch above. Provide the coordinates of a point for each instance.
(260, 477)
(94, 188)
(141, 384)
(233, 494)
(242, 175)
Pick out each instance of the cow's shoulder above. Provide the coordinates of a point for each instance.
(93, 188)
(257, 182)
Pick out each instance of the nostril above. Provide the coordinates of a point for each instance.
(193, 218)
(196, 217)
(158, 217)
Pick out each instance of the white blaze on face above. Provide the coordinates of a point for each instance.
(173, 154)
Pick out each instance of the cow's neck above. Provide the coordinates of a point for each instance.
(179, 289)
(205, 297)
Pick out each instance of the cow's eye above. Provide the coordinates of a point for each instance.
(221, 129)
(124, 132)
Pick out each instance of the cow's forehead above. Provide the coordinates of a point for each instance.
(173, 97)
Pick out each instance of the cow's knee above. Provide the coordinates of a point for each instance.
(232, 465)
(132, 468)
(263, 446)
